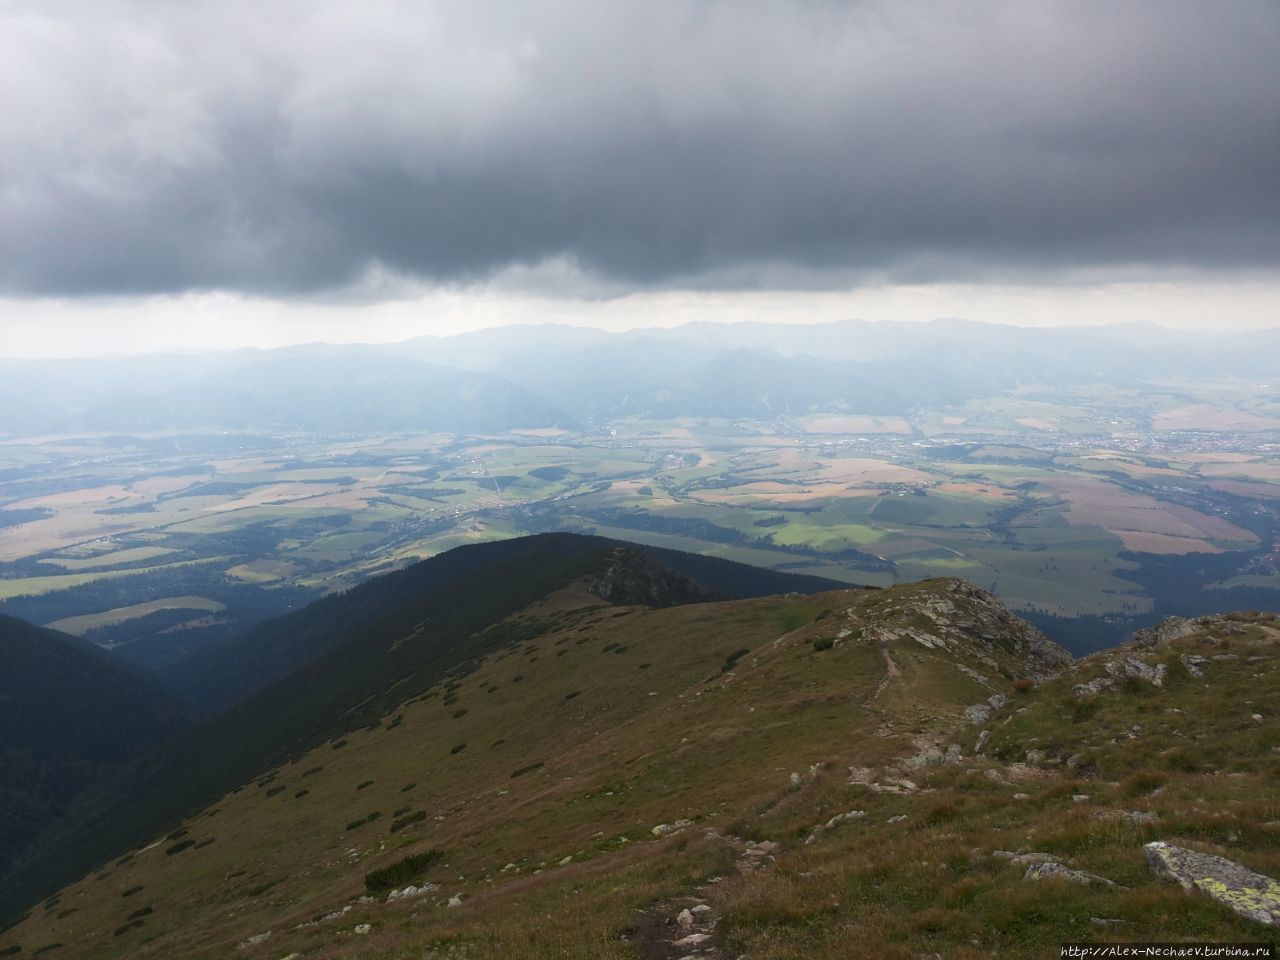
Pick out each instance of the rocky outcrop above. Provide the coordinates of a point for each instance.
(987, 619)
(635, 579)
(1249, 894)
(1120, 671)
(1166, 632)
(1045, 866)
(1059, 871)
(983, 637)
(666, 829)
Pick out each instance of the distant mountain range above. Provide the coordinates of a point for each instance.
(496, 380)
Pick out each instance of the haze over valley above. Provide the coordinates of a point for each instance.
(1095, 480)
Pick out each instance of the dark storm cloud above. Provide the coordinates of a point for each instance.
(292, 147)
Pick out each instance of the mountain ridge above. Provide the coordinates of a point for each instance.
(914, 766)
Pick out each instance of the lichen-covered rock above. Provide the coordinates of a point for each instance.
(1165, 632)
(1249, 894)
(1194, 665)
(1058, 871)
(1025, 859)
(1092, 688)
(1134, 669)
(665, 829)
(977, 714)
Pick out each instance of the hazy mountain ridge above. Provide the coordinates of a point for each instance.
(553, 375)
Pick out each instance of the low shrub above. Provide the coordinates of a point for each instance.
(416, 817)
(403, 871)
(363, 820)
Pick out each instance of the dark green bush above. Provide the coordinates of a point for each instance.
(401, 872)
(400, 823)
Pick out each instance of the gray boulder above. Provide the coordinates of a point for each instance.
(1249, 894)
(1058, 871)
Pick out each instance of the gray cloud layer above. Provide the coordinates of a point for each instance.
(290, 147)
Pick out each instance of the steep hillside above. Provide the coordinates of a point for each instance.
(352, 657)
(219, 675)
(70, 714)
(912, 771)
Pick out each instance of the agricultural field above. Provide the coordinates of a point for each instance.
(157, 544)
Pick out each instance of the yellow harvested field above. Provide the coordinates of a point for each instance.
(865, 470)
(766, 492)
(73, 497)
(1203, 416)
(262, 571)
(353, 499)
(1037, 423)
(1162, 543)
(1244, 489)
(541, 432)
(819, 423)
(109, 559)
(77, 626)
(154, 486)
(1253, 471)
(972, 489)
(1096, 503)
(629, 488)
(1118, 461)
(278, 494)
(57, 532)
(1223, 457)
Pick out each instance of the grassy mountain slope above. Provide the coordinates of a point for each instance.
(842, 728)
(69, 714)
(216, 676)
(362, 653)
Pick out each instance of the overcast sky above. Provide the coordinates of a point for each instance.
(202, 173)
